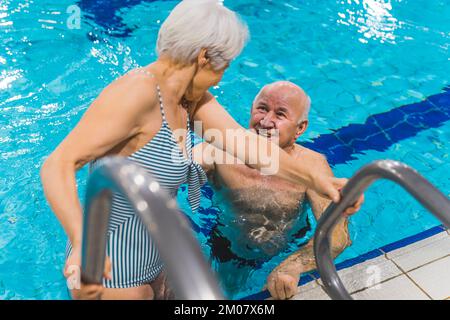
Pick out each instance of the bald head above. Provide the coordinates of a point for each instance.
(287, 93)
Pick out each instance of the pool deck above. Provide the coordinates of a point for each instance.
(415, 268)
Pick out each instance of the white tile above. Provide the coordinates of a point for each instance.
(434, 278)
(399, 288)
(421, 252)
(311, 291)
(368, 273)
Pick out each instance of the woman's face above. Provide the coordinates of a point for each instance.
(204, 78)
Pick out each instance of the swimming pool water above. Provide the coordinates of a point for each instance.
(361, 61)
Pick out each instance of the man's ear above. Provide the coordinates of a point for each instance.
(301, 128)
(202, 58)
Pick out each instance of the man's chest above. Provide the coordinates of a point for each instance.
(239, 176)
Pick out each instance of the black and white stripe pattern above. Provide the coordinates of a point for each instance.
(134, 256)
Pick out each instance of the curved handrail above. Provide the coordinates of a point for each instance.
(430, 197)
(186, 267)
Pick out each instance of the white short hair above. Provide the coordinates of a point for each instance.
(196, 24)
(306, 111)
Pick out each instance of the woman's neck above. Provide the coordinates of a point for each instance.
(174, 78)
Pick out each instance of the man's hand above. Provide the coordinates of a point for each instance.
(84, 291)
(282, 285)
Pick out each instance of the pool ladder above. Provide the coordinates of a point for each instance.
(187, 270)
(430, 197)
(189, 273)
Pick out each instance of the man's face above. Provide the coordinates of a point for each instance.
(278, 110)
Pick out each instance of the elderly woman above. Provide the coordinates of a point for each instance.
(135, 117)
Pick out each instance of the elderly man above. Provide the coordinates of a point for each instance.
(262, 212)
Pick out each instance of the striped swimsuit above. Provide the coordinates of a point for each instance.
(134, 257)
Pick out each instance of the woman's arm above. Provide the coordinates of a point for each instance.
(204, 154)
(221, 130)
(112, 118)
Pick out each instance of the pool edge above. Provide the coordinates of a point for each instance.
(304, 279)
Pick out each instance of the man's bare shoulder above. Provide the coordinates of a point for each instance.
(305, 153)
(314, 159)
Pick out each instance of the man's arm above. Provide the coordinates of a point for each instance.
(283, 280)
(340, 238)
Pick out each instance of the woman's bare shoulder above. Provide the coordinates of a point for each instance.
(132, 89)
(114, 116)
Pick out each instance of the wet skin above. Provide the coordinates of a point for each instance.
(266, 207)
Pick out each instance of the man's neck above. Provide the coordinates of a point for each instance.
(289, 149)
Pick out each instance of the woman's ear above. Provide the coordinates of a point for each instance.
(202, 58)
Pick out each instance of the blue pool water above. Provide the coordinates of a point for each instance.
(377, 73)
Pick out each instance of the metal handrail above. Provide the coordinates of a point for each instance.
(430, 197)
(187, 270)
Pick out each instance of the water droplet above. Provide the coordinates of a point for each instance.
(12, 220)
